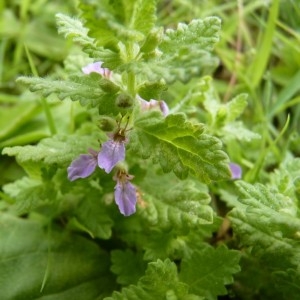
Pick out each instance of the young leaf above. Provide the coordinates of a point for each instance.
(118, 20)
(74, 29)
(236, 107)
(54, 265)
(183, 53)
(208, 270)
(180, 146)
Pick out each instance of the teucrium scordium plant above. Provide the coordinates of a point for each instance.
(134, 170)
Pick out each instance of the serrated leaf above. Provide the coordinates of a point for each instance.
(184, 53)
(160, 280)
(202, 33)
(30, 193)
(266, 221)
(180, 66)
(237, 130)
(287, 284)
(236, 107)
(73, 28)
(184, 205)
(118, 20)
(128, 266)
(60, 149)
(208, 270)
(85, 89)
(181, 147)
(286, 179)
(53, 264)
(162, 245)
(91, 213)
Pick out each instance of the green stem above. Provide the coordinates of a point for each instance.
(131, 84)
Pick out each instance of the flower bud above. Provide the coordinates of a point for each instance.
(107, 124)
(152, 40)
(124, 101)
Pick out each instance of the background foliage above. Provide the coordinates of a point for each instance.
(230, 78)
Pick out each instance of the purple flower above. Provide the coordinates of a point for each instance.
(111, 153)
(164, 107)
(83, 166)
(125, 194)
(152, 104)
(96, 68)
(236, 171)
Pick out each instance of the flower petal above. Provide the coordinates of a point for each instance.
(96, 68)
(164, 107)
(236, 171)
(111, 153)
(82, 167)
(125, 197)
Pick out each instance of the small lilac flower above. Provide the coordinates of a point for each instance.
(96, 68)
(83, 166)
(164, 108)
(236, 171)
(125, 194)
(147, 105)
(112, 151)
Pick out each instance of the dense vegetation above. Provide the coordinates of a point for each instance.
(149, 149)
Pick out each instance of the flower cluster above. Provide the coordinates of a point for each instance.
(112, 152)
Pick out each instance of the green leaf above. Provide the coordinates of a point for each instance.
(288, 284)
(182, 206)
(53, 264)
(91, 213)
(180, 147)
(86, 89)
(128, 266)
(30, 193)
(59, 149)
(162, 245)
(208, 270)
(160, 282)
(152, 90)
(118, 20)
(183, 53)
(236, 107)
(266, 221)
(73, 28)
(238, 131)
(286, 180)
(202, 33)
